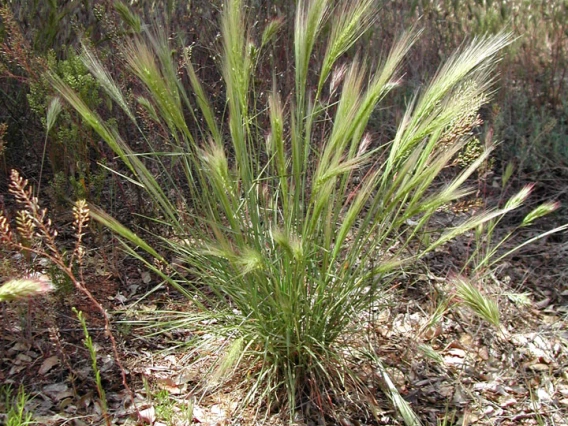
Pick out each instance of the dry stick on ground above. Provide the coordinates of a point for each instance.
(32, 222)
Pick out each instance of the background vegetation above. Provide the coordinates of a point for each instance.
(224, 135)
(528, 112)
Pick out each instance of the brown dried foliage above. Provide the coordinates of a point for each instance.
(16, 53)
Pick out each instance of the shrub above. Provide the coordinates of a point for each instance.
(68, 146)
(287, 223)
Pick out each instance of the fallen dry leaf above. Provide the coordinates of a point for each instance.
(146, 277)
(48, 364)
(16, 369)
(58, 391)
(432, 332)
(509, 402)
(20, 346)
(148, 415)
(539, 367)
(483, 353)
(23, 358)
(170, 385)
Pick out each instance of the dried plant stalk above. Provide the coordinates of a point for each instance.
(35, 234)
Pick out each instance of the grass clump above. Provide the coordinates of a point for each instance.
(286, 223)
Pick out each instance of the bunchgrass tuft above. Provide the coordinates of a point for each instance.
(290, 223)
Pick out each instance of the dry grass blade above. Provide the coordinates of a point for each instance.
(402, 407)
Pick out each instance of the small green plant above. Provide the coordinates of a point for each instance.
(167, 409)
(448, 419)
(534, 137)
(402, 406)
(14, 407)
(430, 353)
(93, 355)
(164, 405)
(488, 252)
(289, 223)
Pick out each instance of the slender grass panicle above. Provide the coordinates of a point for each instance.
(278, 241)
(22, 288)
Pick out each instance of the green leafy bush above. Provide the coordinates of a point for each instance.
(285, 221)
(69, 147)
